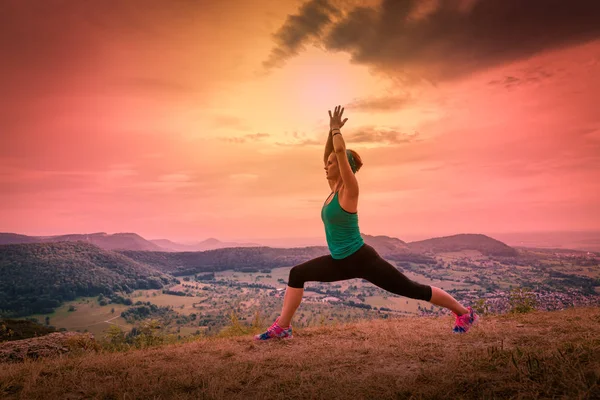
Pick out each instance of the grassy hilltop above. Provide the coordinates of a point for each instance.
(534, 355)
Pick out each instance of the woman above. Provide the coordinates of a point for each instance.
(350, 257)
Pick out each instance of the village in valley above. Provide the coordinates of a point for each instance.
(205, 303)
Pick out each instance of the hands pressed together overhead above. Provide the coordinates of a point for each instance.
(335, 120)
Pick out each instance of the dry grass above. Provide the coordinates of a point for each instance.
(529, 356)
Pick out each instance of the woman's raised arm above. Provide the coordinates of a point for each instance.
(328, 147)
(339, 146)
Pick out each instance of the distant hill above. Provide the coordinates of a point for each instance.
(208, 244)
(395, 249)
(38, 277)
(386, 245)
(123, 241)
(14, 238)
(169, 245)
(116, 241)
(484, 244)
(237, 258)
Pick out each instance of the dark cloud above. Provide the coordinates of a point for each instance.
(507, 81)
(528, 77)
(456, 37)
(298, 29)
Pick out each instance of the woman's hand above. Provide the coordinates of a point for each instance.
(335, 121)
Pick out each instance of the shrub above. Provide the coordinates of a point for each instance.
(82, 343)
(236, 328)
(522, 300)
(481, 307)
(5, 332)
(115, 339)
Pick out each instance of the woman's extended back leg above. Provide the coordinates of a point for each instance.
(383, 274)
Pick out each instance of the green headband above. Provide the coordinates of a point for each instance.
(351, 160)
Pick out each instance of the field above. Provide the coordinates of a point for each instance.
(181, 304)
(397, 303)
(88, 315)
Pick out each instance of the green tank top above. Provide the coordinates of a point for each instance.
(341, 229)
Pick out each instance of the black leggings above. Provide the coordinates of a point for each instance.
(365, 263)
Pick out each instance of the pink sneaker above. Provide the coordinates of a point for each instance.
(465, 321)
(275, 332)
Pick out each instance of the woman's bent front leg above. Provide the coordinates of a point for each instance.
(320, 269)
(291, 302)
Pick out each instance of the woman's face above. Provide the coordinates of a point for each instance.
(331, 167)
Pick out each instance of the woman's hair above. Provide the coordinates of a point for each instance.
(357, 159)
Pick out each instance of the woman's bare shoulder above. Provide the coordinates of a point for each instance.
(348, 202)
(344, 191)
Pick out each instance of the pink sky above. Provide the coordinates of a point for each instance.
(187, 120)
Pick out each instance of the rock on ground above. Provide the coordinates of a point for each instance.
(50, 345)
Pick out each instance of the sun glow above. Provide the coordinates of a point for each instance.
(319, 81)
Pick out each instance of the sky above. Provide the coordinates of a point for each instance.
(188, 119)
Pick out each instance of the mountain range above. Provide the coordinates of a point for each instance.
(385, 245)
(559, 240)
(123, 241)
(208, 244)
